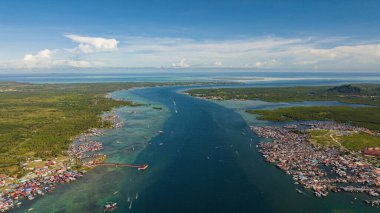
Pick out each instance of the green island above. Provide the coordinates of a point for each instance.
(366, 116)
(39, 121)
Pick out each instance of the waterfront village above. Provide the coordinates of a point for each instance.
(42, 175)
(319, 168)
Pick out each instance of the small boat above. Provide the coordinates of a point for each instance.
(130, 204)
(116, 192)
(137, 195)
(110, 206)
(299, 191)
(31, 209)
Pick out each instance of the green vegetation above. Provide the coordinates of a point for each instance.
(352, 141)
(368, 94)
(359, 141)
(324, 138)
(39, 121)
(368, 117)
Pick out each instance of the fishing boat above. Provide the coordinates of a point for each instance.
(110, 206)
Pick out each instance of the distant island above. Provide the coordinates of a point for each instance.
(367, 94)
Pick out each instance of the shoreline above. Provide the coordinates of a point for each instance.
(44, 175)
(319, 168)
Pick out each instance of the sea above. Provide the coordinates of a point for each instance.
(199, 160)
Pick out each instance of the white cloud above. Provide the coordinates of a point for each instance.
(93, 44)
(182, 64)
(218, 63)
(266, 64)
(45, 59)
(264, 52)
(257, 53)
(42, 59)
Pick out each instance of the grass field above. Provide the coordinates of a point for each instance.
(324, 138)
(351, 142)
(359, 141)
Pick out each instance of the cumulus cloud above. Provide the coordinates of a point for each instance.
(42, 59)
(45, 59)
(182, 64)
(93, 44)
(256, 53)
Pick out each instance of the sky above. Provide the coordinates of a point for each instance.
(253, 34)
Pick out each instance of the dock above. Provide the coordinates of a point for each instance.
(138, 167)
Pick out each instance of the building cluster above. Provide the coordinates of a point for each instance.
(85, 150)
(37, 182)
(321, 169)
(113, 119)
(341, 127)
(42, 176)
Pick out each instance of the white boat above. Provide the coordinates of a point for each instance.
(137, 195)
(130, 204)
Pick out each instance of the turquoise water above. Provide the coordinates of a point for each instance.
(103, 184)
(201, 163)
(260, 78)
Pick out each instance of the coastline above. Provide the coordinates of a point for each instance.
(122, 146)
(44, 175)
(367, 174)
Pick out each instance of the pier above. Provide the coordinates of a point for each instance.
(139, 167)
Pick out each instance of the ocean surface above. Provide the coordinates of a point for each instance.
(254, 77)
(200, 163)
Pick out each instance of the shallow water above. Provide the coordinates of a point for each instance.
(202, 163)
